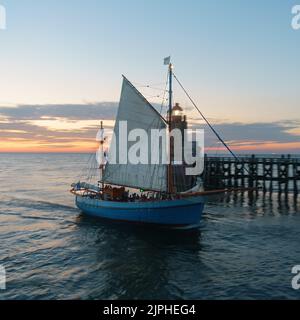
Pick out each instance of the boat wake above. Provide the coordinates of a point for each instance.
(36, 204)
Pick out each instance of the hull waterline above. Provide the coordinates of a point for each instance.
(182, 212)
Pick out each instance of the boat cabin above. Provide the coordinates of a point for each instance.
(114, 193)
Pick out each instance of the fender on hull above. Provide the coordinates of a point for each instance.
(181, 212)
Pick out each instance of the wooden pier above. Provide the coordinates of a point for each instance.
(270, 174)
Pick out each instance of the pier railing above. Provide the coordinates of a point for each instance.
(271, 174)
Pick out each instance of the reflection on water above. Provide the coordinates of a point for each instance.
(137, 260)
(244, 248)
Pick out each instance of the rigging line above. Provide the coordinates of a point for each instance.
(83, 171)
(208, 123)
(205, 119)
(156, 170)
(152, 88)
(147, 85)
(152, 97)
(164, 95)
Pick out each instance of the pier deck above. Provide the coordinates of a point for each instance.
(271, 174)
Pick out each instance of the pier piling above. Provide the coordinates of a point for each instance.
(270, 174)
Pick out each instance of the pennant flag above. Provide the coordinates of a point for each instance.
(167, 61)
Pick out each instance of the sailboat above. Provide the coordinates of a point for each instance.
(159, 202)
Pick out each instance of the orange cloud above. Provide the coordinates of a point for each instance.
(23, 146)
(72, 128)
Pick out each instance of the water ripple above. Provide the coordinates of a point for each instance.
(243, 249)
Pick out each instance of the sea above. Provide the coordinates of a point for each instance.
(244, 248)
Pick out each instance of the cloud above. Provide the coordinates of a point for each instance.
(90, 111)
(275, 131)
(262, 136)
(64, 127)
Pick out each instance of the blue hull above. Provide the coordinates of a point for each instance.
(181, 212)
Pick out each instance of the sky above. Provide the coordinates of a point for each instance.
(61, 64)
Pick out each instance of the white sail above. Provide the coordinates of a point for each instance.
(100, 135)
(139, 114)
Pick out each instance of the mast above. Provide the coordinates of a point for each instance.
(102, 155)
(170, 169)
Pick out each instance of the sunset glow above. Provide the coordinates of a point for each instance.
(66, 77)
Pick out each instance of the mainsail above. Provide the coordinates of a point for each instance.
(139, 114)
